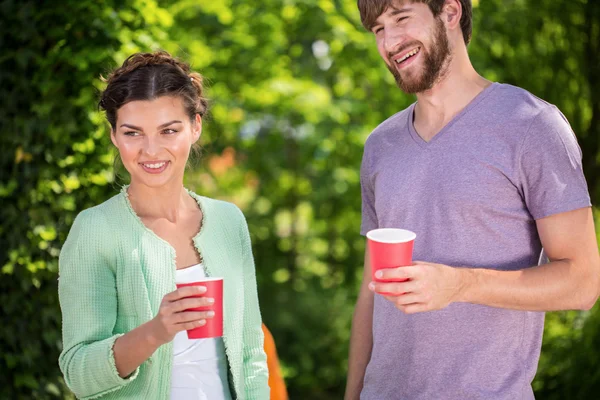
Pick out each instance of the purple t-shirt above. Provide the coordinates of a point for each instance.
(472, 195)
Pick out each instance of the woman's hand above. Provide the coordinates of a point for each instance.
(173, 318)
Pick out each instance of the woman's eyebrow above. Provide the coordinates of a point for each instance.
(169, 123)
(137, 128)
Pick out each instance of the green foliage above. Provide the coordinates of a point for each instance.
(291, 88)
(296, 86)
(551, 48)
(55, 162)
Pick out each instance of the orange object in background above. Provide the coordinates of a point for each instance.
(276, 382)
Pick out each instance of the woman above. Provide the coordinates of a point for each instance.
(124, 324)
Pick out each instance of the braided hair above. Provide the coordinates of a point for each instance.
(147, 76)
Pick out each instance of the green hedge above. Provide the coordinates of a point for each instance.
(296, 87)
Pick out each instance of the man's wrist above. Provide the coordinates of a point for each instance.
(468, 281)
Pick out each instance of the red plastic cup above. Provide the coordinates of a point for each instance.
(214, 326)
(390, 248)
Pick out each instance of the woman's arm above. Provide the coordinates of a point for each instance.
(88, 300)
(95, 360)
(137, 345)
(256, 374)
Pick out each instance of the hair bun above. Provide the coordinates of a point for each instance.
(145, 76)
(140, 60)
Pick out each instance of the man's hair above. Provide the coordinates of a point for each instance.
(370, 10)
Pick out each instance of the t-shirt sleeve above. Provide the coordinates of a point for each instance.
(550, 167)
(369, 216)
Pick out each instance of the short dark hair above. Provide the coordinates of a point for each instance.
(370, 10)
(147, 76)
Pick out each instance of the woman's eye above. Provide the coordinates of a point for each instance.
(402, 19)
(377, 30)
(131, 133)
(169, 131)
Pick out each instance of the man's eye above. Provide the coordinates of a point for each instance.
(402, 19)
(377, 30)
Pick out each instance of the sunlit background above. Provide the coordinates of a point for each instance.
(295, 88)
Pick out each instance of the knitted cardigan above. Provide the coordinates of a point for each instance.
(113, 274)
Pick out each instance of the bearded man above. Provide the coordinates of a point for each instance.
(489, 177)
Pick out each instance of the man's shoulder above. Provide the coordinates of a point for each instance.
(527, 113)
(391, 125)
(518, 102)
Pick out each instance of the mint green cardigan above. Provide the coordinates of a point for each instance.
(113, 274)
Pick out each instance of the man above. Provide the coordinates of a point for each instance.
(487, 175)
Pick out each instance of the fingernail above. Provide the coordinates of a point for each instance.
(210, 300)
(201, 289)
(202, 322)
(378, 274)
(211, 313)
(372, 286)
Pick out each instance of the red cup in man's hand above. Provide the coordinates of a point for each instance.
(389, 248)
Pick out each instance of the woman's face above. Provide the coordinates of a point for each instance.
(154, 139)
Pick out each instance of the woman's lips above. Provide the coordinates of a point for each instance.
(155, 167)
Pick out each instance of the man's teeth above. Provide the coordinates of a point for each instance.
(410, 54)
(158, 165)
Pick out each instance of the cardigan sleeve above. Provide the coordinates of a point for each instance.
(88, 301)
(256, 375)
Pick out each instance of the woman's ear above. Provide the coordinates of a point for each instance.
(113, 137)
(197, 128)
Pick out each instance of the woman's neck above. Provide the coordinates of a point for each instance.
(168, 201)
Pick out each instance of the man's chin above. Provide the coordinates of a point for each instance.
(411, 86)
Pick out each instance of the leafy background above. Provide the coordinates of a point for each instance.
(296, 86)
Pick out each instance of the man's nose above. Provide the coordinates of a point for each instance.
(393, 39)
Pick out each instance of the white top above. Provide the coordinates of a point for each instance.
(199, 365)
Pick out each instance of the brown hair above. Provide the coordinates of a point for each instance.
(370, 10)
(147, 76)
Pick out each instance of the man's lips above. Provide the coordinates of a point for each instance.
(406, 55)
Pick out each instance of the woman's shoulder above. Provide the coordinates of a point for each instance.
(103, 212)
(99, 220)
(218, 208)
(92, 229)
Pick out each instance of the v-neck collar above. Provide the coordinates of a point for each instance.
(424, 144)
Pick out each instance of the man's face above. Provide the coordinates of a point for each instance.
(414, 45)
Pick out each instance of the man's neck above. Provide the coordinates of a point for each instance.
(438, 106)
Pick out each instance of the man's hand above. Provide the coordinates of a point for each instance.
(425, 287)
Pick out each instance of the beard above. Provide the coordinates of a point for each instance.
(435, 63)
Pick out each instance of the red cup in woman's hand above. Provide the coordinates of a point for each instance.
(214, 326)
(173, 315)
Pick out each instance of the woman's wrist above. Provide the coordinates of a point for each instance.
(149, 333)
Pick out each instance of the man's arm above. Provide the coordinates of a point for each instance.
(570, 281)
(361, 339)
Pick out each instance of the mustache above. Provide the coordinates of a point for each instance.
(404, 47)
